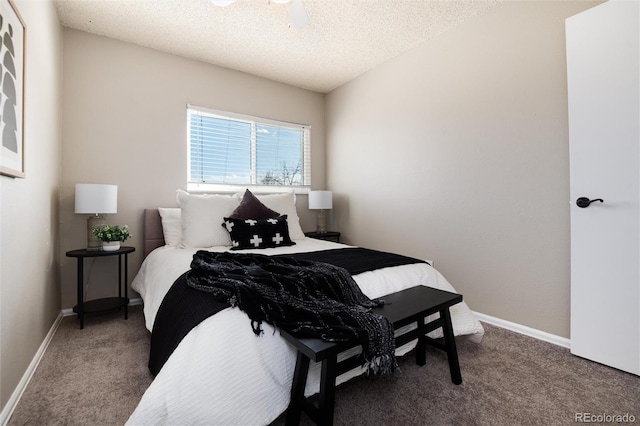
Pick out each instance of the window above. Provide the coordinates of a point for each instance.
(228, 150)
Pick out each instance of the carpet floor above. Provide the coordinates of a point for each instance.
(96, 376)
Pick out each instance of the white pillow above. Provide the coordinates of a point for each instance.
(285, 204)
(171, 225)
(202, 217)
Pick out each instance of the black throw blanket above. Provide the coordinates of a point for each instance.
(356, 260)
(184, 307)
(303, 297)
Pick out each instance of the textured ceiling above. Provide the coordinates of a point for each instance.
(344, 39)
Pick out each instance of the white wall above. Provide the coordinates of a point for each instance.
(124, 123)
(29, 274)
(457, 151)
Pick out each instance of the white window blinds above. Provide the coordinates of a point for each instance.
(232, 149)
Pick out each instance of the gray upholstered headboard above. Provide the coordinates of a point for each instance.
(153, 236)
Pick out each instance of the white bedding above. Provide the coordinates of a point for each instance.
(221, 373)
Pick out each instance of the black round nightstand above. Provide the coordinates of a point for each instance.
(108, 303)
(329, 235)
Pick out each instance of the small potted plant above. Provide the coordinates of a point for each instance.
(111, 236)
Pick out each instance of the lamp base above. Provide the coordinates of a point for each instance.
(321, 224)
(94, 222)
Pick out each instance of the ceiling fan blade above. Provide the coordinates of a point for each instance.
(297, 14)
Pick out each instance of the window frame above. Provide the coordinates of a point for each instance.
(253, 120)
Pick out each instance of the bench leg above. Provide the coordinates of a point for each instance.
(323, 413)
(421, 346)
(450, 346)
(297, 390)
(326, 404)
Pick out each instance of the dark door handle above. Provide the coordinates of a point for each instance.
(584, 202)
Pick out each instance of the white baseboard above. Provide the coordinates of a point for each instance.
(133, 302)
(12, 403)
(527, 331)
(8, 409)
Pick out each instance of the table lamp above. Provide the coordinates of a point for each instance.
(95, 199)
(322, 201)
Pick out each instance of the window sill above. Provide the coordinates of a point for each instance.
(256, 189)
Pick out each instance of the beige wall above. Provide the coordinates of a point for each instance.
(457, 151)
(124, 123)
(29, 275)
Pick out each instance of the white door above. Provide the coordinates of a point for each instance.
(604, 132)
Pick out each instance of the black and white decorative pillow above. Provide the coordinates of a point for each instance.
(257, 234)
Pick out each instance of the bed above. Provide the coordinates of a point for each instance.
(221, 373)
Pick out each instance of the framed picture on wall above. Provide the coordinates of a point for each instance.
(12, 44)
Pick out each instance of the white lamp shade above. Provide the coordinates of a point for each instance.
(96, 198)
(320, 200)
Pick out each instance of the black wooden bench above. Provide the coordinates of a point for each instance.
(408, 306)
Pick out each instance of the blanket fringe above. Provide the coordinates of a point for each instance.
(381, 364)
(257, 327)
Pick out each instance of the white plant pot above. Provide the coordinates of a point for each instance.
(110, 245)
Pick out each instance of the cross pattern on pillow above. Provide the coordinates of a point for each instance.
(258, 234)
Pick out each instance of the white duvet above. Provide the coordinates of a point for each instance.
(222, 373)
